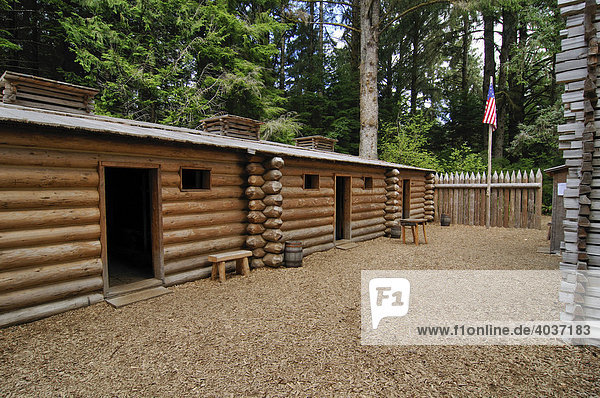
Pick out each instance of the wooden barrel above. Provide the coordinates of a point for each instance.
(396, 232)
(445, 220)
(292, 254)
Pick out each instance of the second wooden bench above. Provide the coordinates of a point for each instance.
(241, 263)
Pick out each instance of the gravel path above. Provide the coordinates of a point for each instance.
(290, 332)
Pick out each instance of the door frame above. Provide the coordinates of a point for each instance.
(347, 206)
(406, 188)
(156, 224)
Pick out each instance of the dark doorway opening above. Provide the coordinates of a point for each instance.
(406, 199)
(128, 224)
(343, 202)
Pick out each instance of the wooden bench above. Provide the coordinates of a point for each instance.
(413, 223)
(241, 263)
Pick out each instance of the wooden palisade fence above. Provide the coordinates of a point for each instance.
(516, 198)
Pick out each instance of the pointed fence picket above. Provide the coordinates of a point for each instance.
(516, 198)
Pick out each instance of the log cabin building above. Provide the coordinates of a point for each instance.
(92, 206)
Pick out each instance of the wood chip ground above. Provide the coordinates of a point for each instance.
(290, 332)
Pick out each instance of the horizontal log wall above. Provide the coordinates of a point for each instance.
(368, 205)
(49, 233)
(50, 251)
(308, 214)
(198, 223)
(417, 192)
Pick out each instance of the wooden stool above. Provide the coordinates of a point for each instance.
(413, 223)
(241, 263)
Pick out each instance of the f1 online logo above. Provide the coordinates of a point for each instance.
(388, 297)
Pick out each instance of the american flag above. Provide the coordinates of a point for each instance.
(489, 117)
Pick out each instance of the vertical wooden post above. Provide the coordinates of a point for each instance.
(478, 199)
(488, 191)
(511, 203)
(531, 203)
(483, 203)
(500, 203)
(436, 198)
(524, 193)
(506, 201)
(518, 194)
(494, 202)
(446, 196)
(472, 200)
(538, 203)
(461, 199)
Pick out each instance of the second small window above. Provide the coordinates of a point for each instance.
(192, 179)
(368, 183)
(311, 181)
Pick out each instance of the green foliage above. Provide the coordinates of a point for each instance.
(406, 142)
(463, 158)
(5, 43)
(282, 129)
(176, 62)
(537, 143)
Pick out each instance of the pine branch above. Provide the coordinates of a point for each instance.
(323, 23)
(341, 3)
(414, 8)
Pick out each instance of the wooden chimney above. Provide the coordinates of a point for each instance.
(316, 142)
(38, 92)
(232, 126)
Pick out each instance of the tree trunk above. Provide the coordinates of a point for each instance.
(321, 48)
(516, 87)
(415, 33)
(355, 36)
(369, 106)
(282, 63)
(466, 40)
(489, 67)
(509, 38)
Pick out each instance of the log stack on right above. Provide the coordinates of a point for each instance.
(576, 67)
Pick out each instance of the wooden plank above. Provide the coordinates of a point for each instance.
(44, 310)
(228, 256)
(48, 92)
(52, 100)
(33, 219)
(38, 237)
(494, 202)
(34, 104)
(135, 297)
(44, 275)
(44, 177)
(518, 197)
(476, 200)
(524, 201)
(538, 201)
(42, 294)
(500, 211)
(52, 254)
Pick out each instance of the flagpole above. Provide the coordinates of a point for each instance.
(488, 191)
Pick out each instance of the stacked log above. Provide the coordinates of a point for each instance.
(576, 67)
(49, 233)
(264, 216)
(393, 197)
(308, 214)
(429, 191)
(199, 223)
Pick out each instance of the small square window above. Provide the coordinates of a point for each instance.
(368, 183)
(195, 179)
(311, 181)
